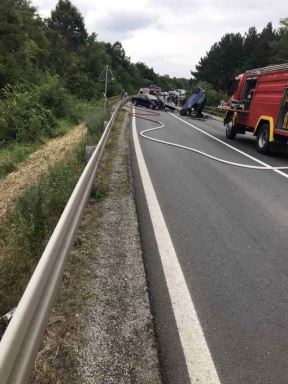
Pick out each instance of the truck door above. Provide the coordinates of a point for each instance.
(248, 93)
(283, 114)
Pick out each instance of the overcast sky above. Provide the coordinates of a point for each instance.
(169, 35)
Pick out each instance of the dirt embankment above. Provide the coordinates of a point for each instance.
(37, 164)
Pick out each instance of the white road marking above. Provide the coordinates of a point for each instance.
(230, 146)
(199, 362)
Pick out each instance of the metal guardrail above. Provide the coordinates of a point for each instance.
(214, 111)
(20, 342)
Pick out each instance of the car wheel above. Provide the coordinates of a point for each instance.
(263, 143)
(230, 130)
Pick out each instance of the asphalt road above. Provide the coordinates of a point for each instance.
(229, 229)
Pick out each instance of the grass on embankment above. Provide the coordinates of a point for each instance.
(15, 152)
(25, 231)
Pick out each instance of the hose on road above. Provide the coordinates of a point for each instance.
(144, 115)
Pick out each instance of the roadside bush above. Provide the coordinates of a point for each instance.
(95, 117)
(54, 97)
(213, 97)
(23, 117)
(31, 115)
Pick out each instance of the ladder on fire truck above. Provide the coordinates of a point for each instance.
(269, 68)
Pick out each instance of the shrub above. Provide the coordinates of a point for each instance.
(52, 95)
(213, 97)
(23, 117)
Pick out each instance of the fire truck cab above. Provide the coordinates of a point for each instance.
(258, 102)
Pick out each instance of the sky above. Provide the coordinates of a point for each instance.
(169, 35)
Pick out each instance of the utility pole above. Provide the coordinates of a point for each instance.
(106, 81)
(107, 76)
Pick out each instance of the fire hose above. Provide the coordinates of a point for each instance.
(144, 116)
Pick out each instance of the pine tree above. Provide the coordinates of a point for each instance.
(279, 46)
(68, 23)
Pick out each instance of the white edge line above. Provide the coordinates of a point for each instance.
(230, 146)
(198, 359)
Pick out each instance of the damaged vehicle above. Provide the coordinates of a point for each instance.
(148, 101)
(194, 104)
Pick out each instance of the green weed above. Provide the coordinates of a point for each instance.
(26, 232)
(12, 155)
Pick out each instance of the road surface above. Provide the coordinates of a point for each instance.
(228, 230)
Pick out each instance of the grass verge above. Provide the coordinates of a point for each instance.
(14, 153)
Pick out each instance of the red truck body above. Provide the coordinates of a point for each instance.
(258, 102)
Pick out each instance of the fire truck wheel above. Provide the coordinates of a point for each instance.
(230, 130)
(263, 144)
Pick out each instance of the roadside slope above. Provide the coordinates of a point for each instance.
(37, 164)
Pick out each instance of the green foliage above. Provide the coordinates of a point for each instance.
(234, 54)
(52, 95)
(218, 66)
(27, 230)
(30, 115)
(280, 45)
(94, 120)
(23, 42)
(213, 97)
(13, 154)
(23, 117)
(68, 23)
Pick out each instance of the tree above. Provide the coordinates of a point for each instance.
(235, 54)
(118, 55)
(263, 50)
(251, 39)
(23, 44)
(222, 62)
(68, 23)
(279, 46)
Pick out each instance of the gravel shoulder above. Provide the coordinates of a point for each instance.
(101, 329)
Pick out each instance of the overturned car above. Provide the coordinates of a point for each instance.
(194, 104)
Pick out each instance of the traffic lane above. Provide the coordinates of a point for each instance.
(175, 131)
(230, 236)
(246, 143)
(210, 146)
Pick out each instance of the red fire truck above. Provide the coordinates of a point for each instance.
(258, 102)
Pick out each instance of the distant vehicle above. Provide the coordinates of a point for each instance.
(195, 103)
(182, 95)
(258, 102)
(148, 101)
(151, 89)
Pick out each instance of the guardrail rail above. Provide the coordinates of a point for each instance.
(214, 111)
(21, 340)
